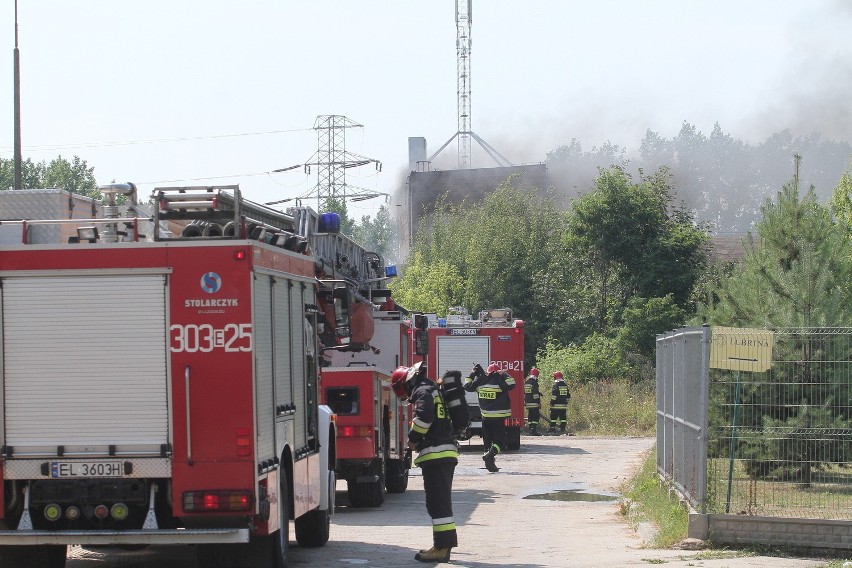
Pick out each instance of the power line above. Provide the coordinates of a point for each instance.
(207, 178)
(156, 140)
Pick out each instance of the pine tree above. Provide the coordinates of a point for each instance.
(795, 278)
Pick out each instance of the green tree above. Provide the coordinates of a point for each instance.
(633, 241)
(499, 248)
(377, 234)
(795, 275)
(428, 287)
(644, 318)
(796, 270)
(75, 176)
(841, 200)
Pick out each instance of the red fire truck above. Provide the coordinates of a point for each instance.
(372, 424)
(459, 340)
(160, 378)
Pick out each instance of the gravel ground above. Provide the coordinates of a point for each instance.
(502, 519)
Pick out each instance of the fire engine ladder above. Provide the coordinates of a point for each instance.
(220, 211)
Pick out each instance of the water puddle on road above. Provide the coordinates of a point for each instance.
(573, 495)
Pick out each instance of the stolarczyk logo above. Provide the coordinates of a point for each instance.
(211, 282)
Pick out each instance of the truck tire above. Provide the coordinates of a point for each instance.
(35, 556)
(314, 528)
(396, 476)
(513, 438)
(371, 494)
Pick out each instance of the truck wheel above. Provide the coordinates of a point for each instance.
(314, 528)
(282, 537)
(37, 556)
(370, 494)
(396, 476)
(514, 438)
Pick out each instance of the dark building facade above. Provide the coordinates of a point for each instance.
(426, 187)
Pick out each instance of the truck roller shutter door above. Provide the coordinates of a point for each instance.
(297, 352)
(461, 352)
(281, 333)
(85, 364)
(263, 366)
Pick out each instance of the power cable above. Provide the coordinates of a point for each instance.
(156, 140)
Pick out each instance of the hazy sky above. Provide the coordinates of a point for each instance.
(179, 92)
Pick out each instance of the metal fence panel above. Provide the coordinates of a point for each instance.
(682, 359)
(781, 440)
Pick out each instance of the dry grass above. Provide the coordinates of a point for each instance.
(616, 408)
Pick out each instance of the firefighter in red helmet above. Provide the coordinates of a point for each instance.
(532, 401)
(559, 397)
(431, 435)
(492, 389)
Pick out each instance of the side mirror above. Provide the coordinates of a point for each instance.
(421, 342)
(342, 298)
(421, 321)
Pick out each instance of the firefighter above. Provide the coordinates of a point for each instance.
(532, 401)
(492, 389)
(431, 435)
(559, 397)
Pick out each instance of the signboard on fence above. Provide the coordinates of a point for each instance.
(741, 349)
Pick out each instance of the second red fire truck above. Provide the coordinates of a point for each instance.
(372, 423)
(459, 341)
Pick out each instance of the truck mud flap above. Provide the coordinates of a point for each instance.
(179, 536)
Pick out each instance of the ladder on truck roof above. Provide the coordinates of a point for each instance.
(220, 212)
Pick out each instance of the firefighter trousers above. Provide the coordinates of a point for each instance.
(558, 418)
(494, 434)
(438, 485)
(533, 416)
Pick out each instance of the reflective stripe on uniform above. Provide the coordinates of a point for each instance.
(444, 524)
(420, 426)
(495, 413)
(437, 452)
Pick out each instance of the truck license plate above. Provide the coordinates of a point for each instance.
(85, 469)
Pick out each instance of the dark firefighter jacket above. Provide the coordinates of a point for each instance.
(532, 396)
(493, 393)
(431, 429)
(559, 394)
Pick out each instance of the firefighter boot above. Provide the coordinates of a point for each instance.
(534, 430)
(434, 555)
(490, 463)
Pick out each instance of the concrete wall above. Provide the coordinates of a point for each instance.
(745, 529)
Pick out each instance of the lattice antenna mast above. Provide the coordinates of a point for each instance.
(464, 17)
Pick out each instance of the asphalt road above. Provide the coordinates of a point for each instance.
(515, 518)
